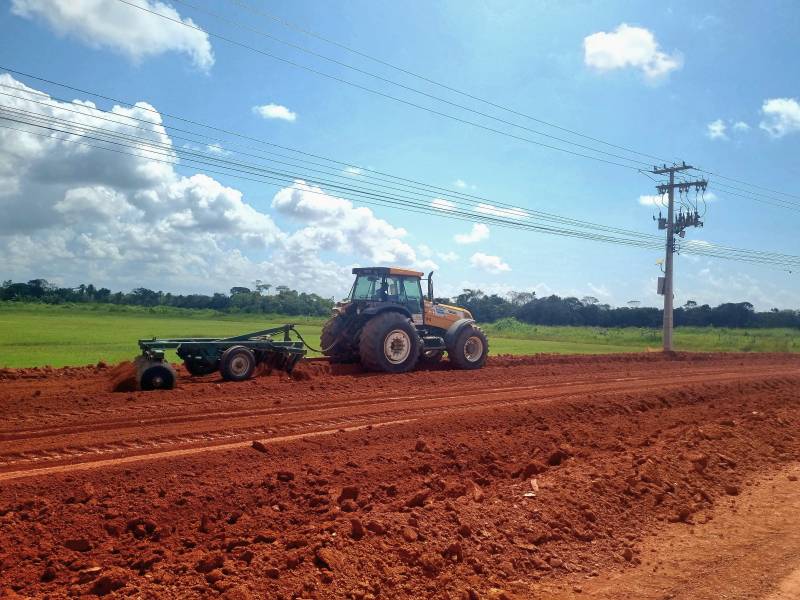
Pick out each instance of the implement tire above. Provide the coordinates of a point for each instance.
(155, 376)
(333, 343)
(198, 368)
(389, 342)
(237, 363)
(470, 349)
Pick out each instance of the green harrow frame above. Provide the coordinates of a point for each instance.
(236, 358)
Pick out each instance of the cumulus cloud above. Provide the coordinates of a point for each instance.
(629, 47)
(499, 211)
(781, 116)
(441, 204)
(448, 256)
(463, 185)
(354, 171)
(720, 129)
(654, 200)
(335, 224)
(488, 263)
(77, 214)
(716, 130)
(478, 232)
(125, 29)
(661, 201)
(275, 111)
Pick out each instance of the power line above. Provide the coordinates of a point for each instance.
(447, 193)
(739, 254)
(395, 98)
(440, 190)
(170, 151)
(400, 85)
(304, 31)
(449, 88)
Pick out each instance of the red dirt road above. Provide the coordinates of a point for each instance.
(529, 474)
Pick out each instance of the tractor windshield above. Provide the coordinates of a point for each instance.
(366, 287)
(390, 288)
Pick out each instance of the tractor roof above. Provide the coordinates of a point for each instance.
(383, 271)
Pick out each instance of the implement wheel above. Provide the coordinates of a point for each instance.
(470, 348)
(390, 342)
(155, 376)
(237, 363)
(199, 368)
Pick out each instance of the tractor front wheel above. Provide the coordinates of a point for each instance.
(237, 363)
(470, 348)
(389, 342)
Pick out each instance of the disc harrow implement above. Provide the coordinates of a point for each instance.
(236, 358)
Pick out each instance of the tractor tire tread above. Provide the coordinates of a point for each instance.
(371, 342)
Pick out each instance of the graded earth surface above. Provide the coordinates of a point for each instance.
(624, 476)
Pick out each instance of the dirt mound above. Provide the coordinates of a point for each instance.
(122, 377)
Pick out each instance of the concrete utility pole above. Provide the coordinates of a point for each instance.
(692, 220)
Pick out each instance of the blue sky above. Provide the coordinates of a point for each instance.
(708, 67)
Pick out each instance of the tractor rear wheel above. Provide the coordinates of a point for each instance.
(237, 363)
(470, 348)
(389, 342)
(334, 344)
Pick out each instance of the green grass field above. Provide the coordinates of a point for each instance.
(36, 335)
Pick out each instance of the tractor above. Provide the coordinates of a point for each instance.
(387, 324)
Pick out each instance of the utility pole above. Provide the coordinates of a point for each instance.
(672, 227)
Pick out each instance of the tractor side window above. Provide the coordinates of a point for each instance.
(411, 294)
(393, 292)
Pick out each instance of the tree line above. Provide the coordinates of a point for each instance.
(263, 298)
(555, 310)
(523, 306)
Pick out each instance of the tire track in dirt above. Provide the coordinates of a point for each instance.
(382, 411)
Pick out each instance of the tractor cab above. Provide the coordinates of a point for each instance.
(384, 285)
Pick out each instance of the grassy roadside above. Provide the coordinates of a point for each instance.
(36, 335)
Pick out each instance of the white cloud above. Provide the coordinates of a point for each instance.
(478, 232)
(716, 130)
(628, 46)
(654, 200)
(463, 185)
(600, 291)
(216, 148)
(448, 256)
(335, 224)
(79, 214)
(441, 204)
(781, 116)
(661, 201)
(128, 30)
(275, 111)
(488, 263)
(499, 211)
(719, 129)
(354, 171)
